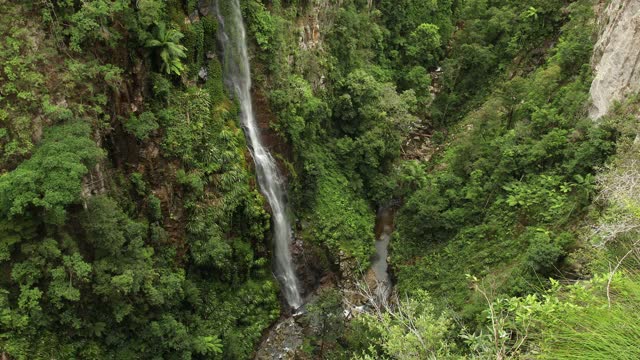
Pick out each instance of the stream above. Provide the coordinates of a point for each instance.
(379, 264)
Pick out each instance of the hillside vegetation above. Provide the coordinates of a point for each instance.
(131, 225)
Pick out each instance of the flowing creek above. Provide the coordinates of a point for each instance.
(237, 74)
(383, 231)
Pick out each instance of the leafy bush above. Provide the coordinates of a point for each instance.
(341, 221)
(517, 163)
(52, 178)
(543, 251)
(142, 126)
(262, 25)
(409, 329)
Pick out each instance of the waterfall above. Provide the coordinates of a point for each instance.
(238, 78)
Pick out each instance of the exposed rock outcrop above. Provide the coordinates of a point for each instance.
(616, 57)
(283, 341)
(315, 24)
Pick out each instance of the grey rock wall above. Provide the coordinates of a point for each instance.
(616, 57)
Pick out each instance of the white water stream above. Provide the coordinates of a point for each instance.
(238, 78)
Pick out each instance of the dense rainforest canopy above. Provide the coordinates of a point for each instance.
(132, 225)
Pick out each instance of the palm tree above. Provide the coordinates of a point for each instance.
(167, 44)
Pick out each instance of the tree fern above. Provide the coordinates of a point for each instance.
(166, 43)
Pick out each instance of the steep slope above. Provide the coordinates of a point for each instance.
(131, 225)
(616, 58)
(129, 215)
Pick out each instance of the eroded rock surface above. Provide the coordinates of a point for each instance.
(283, 341)
(616, 56)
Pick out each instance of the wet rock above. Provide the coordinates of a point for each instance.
(205, 7)
(311, 265)
(194, 17)
(203, 73)
(284, 341)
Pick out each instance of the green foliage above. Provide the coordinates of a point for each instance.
(565, 322)
(409, 329)
(433, 217)
(340, 220)
(416, 34)
(261, 24)
(573, 50)
(85, 271)
(40, 86)
(325, 316)
(160, 86)
(155, 209)
(406, 17)
(93, 21)
(354, 40)
(424, 44)
(52, 178)
(190, 126)
(166, 45)
(149, 11)
(20, 80)
(199, 42)
(543, 251)
(214, 84)
(372, 119)
(300, 113)
(419, 79)
(544, 199)
(208, 345)
(143, 125)
(176, 254)
(513, 178)
(570, 334)
(495, 36)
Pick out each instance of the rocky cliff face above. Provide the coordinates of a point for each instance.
(616, 57)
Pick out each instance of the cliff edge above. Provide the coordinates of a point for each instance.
(616, 57)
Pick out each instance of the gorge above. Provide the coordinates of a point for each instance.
(319, 179)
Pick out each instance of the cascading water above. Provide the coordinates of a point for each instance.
(238, 78)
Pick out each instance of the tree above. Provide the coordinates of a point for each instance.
(166, 45)
(410, 329)
(326, 319)
(374, 119)
(424, 44)
(52, 178)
